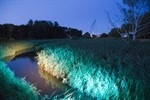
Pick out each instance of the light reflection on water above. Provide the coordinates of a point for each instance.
(25, 65)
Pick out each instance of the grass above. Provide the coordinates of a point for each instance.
(103, 69)
(100, 68)
(14, 48)
(10, 48)
(13, 88)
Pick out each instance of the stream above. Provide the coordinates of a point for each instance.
(25, 66)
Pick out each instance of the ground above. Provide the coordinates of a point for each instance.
(101, 68)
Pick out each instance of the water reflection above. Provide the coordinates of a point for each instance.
(50, 80)
(25, 65)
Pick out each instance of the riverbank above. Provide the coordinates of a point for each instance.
(10, 49)
(16, 88)
(101, 68)
(11, 86)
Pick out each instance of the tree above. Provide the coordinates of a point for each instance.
(22, 32)
(94, 36)
(114, 33)
(131, 16)
(133, 13)
(2, 31)
(56, 24)
(126, 28)
(86, 35)
(30, 22)
(104, 35)
(144, 32)
(10, 31)
(38, 30)
(30, 28)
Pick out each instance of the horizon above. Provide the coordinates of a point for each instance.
(68, 13)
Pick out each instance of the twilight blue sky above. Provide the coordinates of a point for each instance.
(71, 13)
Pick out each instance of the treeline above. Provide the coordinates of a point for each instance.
(125, 30)
(52, 30)
(37, 30)
(143, 29)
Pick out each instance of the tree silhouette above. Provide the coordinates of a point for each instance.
(134, 13)
(38, 29)
(86, 35)
(103, 35)
(114, 33)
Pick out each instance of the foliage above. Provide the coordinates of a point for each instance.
(86, 35)
(13, 88)
(144, 31)
(103, 69)
(114, 33)
(103, 35)
(11, 48)
(37, 30)
(133, 14)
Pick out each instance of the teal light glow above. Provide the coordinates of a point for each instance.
(100, 85)
(93, 68)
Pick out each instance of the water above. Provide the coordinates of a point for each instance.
(25, 65)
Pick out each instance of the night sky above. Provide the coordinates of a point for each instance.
(71, 13)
